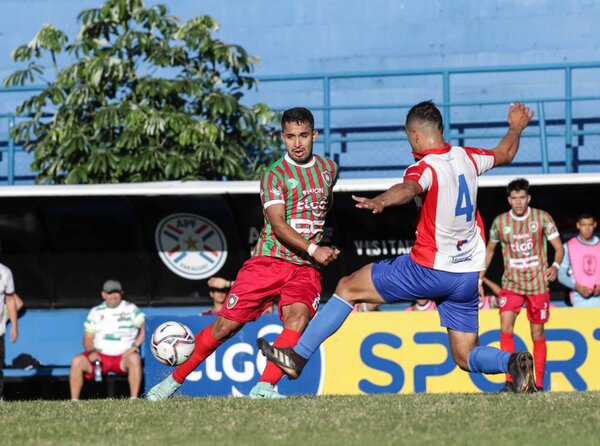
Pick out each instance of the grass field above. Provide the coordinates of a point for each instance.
(424, 419)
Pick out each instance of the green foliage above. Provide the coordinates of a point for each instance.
(147, 98)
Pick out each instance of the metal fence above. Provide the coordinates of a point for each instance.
(564, 142)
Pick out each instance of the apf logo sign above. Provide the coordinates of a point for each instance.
(191, 246)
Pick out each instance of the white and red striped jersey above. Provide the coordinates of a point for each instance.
(450, 234)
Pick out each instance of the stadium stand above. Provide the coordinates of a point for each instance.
(364, 136)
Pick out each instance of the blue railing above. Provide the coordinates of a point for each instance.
(446, 75)
(341, 136)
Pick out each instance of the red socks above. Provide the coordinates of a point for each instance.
(272, 373)
(507, 344)
(205, 345)
(539, 359)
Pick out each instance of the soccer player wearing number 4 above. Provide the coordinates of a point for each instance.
(448, 254)
(523, 232)
(297, 193)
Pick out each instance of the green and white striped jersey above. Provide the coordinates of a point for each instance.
(306, 191)
(115, 329)
(524, 241)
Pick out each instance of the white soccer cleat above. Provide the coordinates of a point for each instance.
(264, 390)
(163, 390)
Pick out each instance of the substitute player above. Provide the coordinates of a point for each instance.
(580, 268)
(448, 254)
(523, 232)
(297, 193)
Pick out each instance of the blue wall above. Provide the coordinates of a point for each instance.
(315, 36)
(350, 35)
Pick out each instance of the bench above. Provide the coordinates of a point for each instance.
(53, 337)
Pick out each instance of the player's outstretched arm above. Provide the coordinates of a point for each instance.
(398, 194)
(519, 117)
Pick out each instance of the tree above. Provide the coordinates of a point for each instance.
(146, 98)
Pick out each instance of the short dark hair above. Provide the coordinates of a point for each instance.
(425, 112)
(299, 115)
(517, 185)
(584, 216)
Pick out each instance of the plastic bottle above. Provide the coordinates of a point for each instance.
(97, 370)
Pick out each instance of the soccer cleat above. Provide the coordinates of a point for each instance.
(509, 387)
(290, 362)
(163, 390)
(265, 390)
(520, 367)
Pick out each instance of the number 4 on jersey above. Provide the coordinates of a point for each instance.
(465, 208)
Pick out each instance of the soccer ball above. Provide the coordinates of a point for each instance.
(172, 343)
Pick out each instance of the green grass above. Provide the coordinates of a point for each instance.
(424, 419)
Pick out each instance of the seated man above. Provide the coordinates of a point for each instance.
(114, 332)
(219, 287)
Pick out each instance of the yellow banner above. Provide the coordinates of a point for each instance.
(407, 352)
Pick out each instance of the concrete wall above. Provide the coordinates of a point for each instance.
(314, 36)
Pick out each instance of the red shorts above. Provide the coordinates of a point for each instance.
(109, 364)
(262, 279)
(538, 305)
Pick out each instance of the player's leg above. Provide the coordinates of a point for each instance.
(540, 352)
(459, 313)
(295, 319)
(510, 306)
(538, 313)
(507, 340)
(207, 341)
(298, 303)
(247, 300)
(356, 288)
(131, 363)
(80, 365)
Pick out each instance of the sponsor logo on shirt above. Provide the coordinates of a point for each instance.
(277, 193)
(461, 258)
(533, 226)
(231, 301)
(459, 244)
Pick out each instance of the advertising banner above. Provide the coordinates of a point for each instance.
(391, 352)
(163, 247)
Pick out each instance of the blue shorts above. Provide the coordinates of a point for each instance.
(401, 279)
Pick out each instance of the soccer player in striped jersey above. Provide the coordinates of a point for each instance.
(523, 232)
(296, 193)
(448, 254)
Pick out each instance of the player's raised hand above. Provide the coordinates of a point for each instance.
(519, 116)
(374, 205)
(325, 255)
